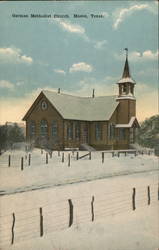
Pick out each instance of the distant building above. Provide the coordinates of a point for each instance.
(59, 121)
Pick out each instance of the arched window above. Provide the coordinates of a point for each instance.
(43, 127)
(32, 128)
(77, 130)
(54, 129)
(98, 131)
(70, 130)
(111, 131)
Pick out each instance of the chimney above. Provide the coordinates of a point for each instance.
(93, 95)
(59, 90)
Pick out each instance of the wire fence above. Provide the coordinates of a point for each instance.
(23, 159)
(72, 211)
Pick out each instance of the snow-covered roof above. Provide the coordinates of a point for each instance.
(127, 79)
(128, 125)
(82, 108)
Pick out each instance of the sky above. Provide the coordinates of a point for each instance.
(76, 54)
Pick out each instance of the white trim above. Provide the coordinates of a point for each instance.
(126, 97)
(126, 79)
(128, 125)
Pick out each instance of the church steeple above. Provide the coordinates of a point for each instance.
(126, 83)
(126, 72)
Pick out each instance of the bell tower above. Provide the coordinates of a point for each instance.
(126, 83)
(126, 98)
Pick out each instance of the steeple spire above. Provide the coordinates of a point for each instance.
(126, 72)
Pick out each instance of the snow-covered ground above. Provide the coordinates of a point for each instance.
(42, 175)
(116, 226)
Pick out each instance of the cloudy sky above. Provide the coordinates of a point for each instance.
(76, 54)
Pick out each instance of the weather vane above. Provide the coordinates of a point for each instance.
(126, 49)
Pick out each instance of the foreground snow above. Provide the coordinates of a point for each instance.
(41, 175)
(129, 231)
(116, 225)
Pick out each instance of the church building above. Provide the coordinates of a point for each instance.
(58, 121)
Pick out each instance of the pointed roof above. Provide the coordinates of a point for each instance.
(126, 72)
(72, 107)
(126, 77)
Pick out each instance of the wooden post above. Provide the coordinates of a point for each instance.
(69, 160)
(77, 155)
(89, 155)
(148, 195)
(41, 222)
(22, 163)
(102, 157)
(70, 212)
(92, 208)
(9, 160)
(13, 225)
(46, 158)
(63, 157)
(112, 154)
(50, 154)
(133, 199)
(29, 160)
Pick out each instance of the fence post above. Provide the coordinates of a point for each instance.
(92, 208)
(50, 153)
(69, 160)
(63, 157)
(46, 158)
(29, 160)
(41, 222)
(89, 155)
(133, 199)
(148, 195)
(9, 160)
(102, 157)
(70, 212)
(13, 225)
(22, 163)
(77, 155)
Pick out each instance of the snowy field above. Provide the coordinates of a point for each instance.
(41, 175)
(115, 203)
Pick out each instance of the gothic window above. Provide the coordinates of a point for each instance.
(111, 131)
(77, 130)
(98, 131)
(43, 127)
(70, 130)
(32, 128)
(54, 129)
(122, 134)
